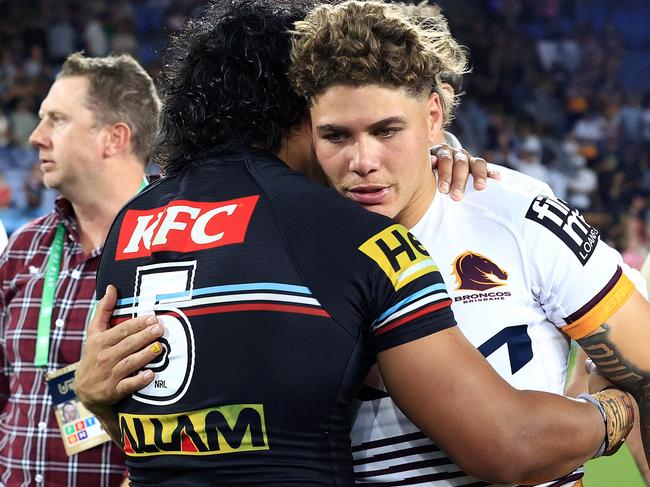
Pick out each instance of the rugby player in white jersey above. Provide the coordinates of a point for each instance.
(526, 272)
(454, 59)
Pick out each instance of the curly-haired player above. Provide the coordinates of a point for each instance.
(526, 272)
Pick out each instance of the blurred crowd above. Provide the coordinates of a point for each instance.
(35, 37)
(559, 90)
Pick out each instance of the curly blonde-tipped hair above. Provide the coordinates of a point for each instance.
(358, 43)
(452, 55)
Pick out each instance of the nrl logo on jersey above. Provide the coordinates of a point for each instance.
(475, 272)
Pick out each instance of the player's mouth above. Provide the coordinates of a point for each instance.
(369, 194)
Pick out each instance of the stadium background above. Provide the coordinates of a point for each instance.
(560, 90)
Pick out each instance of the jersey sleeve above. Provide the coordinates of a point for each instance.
(576, 277)
(412, 297)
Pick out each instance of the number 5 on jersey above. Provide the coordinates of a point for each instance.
(158, 288)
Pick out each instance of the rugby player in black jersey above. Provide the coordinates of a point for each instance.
(275, 295)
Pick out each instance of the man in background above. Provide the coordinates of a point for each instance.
(98, 124)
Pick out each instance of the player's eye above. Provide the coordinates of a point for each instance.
(334, 137)
(387, 132)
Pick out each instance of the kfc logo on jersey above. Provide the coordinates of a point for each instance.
(567, 224)
(476, 272)
(184, 226)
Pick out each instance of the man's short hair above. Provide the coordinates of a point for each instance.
(358, 43)
(120, 90)
(224, 81)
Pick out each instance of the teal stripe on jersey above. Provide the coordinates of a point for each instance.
(411, 298)
(253, 286)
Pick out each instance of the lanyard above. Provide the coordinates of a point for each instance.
(47, 300)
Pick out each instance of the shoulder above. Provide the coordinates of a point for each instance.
(311, 211)
(32, 232)
(503, 201)
(522, 181)
(25, 244)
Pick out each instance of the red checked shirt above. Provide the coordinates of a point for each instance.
(31, 449)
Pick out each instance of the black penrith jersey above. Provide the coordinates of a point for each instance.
(276, 295)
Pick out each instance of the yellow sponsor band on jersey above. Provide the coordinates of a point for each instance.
(399, 254)
(212, 431)
(600, 313)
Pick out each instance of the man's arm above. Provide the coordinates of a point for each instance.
(619, 348)
(578, 384)
(110, 357)
(491, 430)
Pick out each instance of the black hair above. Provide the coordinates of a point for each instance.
(224, 81)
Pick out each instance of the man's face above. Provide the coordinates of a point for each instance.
(373, 145)
(69, 144)
(69, 413)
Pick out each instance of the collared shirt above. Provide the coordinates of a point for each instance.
(31, 449)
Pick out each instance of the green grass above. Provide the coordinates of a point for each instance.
(618, 470)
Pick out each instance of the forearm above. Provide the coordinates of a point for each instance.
(547, 436)
(635, 445)
(109, 419)
(491, 430)
(626, 367)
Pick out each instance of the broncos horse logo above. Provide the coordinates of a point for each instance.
(477, 272)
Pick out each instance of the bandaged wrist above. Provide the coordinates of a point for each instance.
(591, 399)
(618, 414)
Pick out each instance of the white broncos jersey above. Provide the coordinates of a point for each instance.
(526, 273)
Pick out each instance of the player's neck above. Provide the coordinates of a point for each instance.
(419, 204)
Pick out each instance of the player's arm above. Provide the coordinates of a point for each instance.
(578, 385)
(110, 357)
(491, 430)
(619, 348)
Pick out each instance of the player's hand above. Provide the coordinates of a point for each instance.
(454, 167)
(112, 356)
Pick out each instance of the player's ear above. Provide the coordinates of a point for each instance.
(434, 117)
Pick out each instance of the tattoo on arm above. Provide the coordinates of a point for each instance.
(622, 372)
(614, 365)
